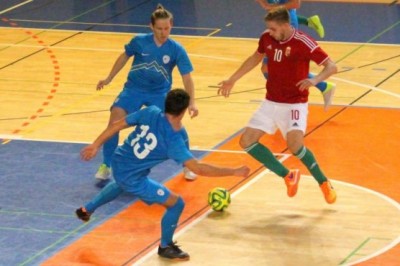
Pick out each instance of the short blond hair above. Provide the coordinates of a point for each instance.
(278, 14)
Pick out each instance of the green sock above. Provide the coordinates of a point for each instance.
(302, 20)
(265, 156)
(308, 159)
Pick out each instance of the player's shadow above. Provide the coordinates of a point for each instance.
(219, 215)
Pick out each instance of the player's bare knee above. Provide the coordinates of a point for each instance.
(295, 146)
(171, 200)
(244, 142)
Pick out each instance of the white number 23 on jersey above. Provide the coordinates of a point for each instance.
(144, 142)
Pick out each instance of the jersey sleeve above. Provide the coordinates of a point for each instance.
(133, 118)
(319, 56)
(132, 47)
(261, 44)
(141, 115)
(178, 151)
(183, 61)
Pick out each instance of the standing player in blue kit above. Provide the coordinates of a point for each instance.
(149, 79)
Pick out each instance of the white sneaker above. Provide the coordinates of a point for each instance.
(328, 94)
(189, 175)
(103, 173)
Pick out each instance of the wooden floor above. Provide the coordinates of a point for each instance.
(51, 96)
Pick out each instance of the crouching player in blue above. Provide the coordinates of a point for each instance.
(157, 137)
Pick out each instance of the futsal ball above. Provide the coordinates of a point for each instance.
(219, 199)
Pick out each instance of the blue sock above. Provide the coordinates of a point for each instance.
(109, 148)
(107, 194)
(321, 86)
(170, 221)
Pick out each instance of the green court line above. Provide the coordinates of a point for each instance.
(369, 41)
(27, 261)
(35, 213)
(33, 230)
(362, 245)
(355, 251)
(73, 232)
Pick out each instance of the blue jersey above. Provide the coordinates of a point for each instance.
(152, 142)
(292, 12)
(151, 70)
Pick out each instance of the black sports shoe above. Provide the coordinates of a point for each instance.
(173, 252)
(82, 214)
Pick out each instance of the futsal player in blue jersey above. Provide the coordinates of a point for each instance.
(150, 77)
(327, 88)
(157, 137)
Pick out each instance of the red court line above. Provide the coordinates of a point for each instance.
(52, 92)
(344, 147)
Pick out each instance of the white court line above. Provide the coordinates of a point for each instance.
(366, 86)
(239, 190)
(201, 218)
(197, 36)
(105, 50)
(384, 197)
(259, 176)
(14, 7)
(105, 24)
(284, 156)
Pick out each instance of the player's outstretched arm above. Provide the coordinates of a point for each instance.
(225, 86)
(90, 151)
(118, 65)
(206, 169)
(188, 84)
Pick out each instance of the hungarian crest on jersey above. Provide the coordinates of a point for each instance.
(287, 51)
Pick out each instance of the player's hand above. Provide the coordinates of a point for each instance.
(102, 83)
(225, 88)
(193, 111)
(305, 84)
(89, 152)
(243, 171)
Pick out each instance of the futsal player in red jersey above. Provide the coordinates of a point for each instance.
(285, 106)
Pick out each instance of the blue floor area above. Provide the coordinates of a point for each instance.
(42, 183)
(344, 22)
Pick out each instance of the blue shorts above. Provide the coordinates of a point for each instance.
(141, 186)
(132, 101)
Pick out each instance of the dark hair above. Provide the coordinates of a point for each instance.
(177, 101)
(160, 13)
(278, 14)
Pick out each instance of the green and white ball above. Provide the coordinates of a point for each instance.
(219, 199)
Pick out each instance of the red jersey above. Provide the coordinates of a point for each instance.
(288, 63)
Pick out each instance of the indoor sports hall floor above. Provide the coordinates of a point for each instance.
(54, 52)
